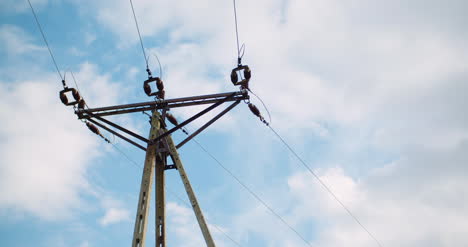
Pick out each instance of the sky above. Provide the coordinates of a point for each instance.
(370, 94)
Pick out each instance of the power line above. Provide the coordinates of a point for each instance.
(237, 31)
(327, 188)
(125, 155)
(45, 41)
(188, 205)
(139, 35)
(253, 193)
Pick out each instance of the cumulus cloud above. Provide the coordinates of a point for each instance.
(183, 227)
(45, 151)
(114, 215)
(386, 76)
(16, 41)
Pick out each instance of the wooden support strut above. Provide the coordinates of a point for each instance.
(141, 221)
(188, 188)
(155, 164)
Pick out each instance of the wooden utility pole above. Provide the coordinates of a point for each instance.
(156, 165)
(160, 146)
(141, 222)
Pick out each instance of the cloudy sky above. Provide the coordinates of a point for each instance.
(371, 95)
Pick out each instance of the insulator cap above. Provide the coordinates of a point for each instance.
(147, 89)
(160, 84)
(81, 104)
(161, 94)
(93, 128)
(63, 98)
(172, 119)
(76, 94)
(247, 73)
(234, 77)
(255, 110)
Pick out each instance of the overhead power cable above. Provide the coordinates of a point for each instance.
(215, 226)
(45, 41)
(272, 211)
(324, 185)
(139, 35)
(240, 53)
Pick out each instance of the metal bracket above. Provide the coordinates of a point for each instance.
(169, 167)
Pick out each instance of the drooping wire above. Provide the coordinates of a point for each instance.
(77, 88)
(215, 226)
(264, 106)
(139, 35)
(47, 44)
(251, 192)
(125, 155)
(327, 188)
(160, 66)
(324, 185)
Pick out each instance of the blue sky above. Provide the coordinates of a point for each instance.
(371, 94)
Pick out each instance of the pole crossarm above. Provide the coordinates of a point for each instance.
(160, 104)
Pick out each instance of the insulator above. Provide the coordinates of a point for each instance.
(63, 98)
(81, 104)
(247, 73)
(172, 119)
(239, 71)
(160, 84)
(93, 128)
(255, 110)
(234, 76)
(76, 94)
(147, 89)
(161, 94)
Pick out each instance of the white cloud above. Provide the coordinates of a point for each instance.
(85, 244)
(389, 203)
(9, 6)
(389, 75)
(183, 228)
(16, 42)
(114, 215)
(45, 151)
(394, 79)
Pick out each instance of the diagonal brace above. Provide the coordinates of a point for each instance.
(141, 138)
(192, 118)
(117, 134)
(207, 124)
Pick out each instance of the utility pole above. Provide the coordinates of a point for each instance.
(159, 146)
(141, 221)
